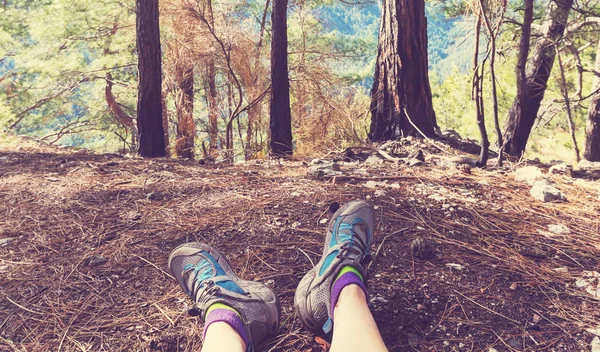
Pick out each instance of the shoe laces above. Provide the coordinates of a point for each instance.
(202, 273)
(353, 246)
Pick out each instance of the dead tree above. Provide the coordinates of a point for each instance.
(523, 112)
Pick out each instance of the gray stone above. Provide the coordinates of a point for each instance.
(414, 162)
(543, 191)
(560, 169)
(379, 193)
(464, 160)
(6, 241)
(596, 344)
(559, 229)
(452, 134)
(529, 174)
(325, 170)
(374, 160)
(417, 154)
(371, 184)
(586, 164)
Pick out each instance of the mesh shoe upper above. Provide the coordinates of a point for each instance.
(207, 278)
(348, 241)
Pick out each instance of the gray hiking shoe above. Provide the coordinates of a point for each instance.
(349, 238)
(207, 278)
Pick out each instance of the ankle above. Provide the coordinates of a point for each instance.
(221, 331)
(350, 294)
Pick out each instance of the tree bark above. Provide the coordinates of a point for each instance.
(213, 109)
(401, 102)
(149, 105)
(186, 127)
(280, 114)
(527, 103)
(592, 127)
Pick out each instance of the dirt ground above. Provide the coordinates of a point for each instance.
(84, 241)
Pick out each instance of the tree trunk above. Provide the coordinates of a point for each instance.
(592, 127)
(525, 107)
(149, 105)
(213, 109)
(280, 115)
(186, 128)
(401, 102)
(165, 122)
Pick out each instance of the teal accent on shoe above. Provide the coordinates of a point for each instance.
(330, 257)
(203, 271)
(344, 237)
(231, 286)
(328, 326)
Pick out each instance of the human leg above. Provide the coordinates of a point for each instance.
(237, 314)
(355, 328)
(335, 286)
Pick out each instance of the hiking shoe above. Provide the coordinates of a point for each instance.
(207, 278)
(349, 238)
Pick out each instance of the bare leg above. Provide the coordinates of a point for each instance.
(220, 337)
(354, 328)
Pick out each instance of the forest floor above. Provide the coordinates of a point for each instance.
(85, 237)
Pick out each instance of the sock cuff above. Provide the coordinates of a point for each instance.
(344, 280)
(350, 269)
(229, 316)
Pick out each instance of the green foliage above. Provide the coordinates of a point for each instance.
(54, 56)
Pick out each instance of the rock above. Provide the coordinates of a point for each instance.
(325, 170)
(422, 249)
(455, 266)
(560, 169)
(414, 162)
(6, 241)
(464, 160)
(559, 229)
(595, 331)
(417, 154)
(452, 134)
(586, 164)
(295, 194)
(515, 343)
(544, 192)
(374, 160)
(323, 221)
(378, 299)
(379, 193)
(316, 161)
(97, 260)
(596, 344)
(371, 184)
(529, 174)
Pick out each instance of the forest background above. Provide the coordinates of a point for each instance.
(68, 72)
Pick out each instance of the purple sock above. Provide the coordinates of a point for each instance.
(346, 279)
(230, 317)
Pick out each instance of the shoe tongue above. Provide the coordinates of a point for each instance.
(198, 273)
